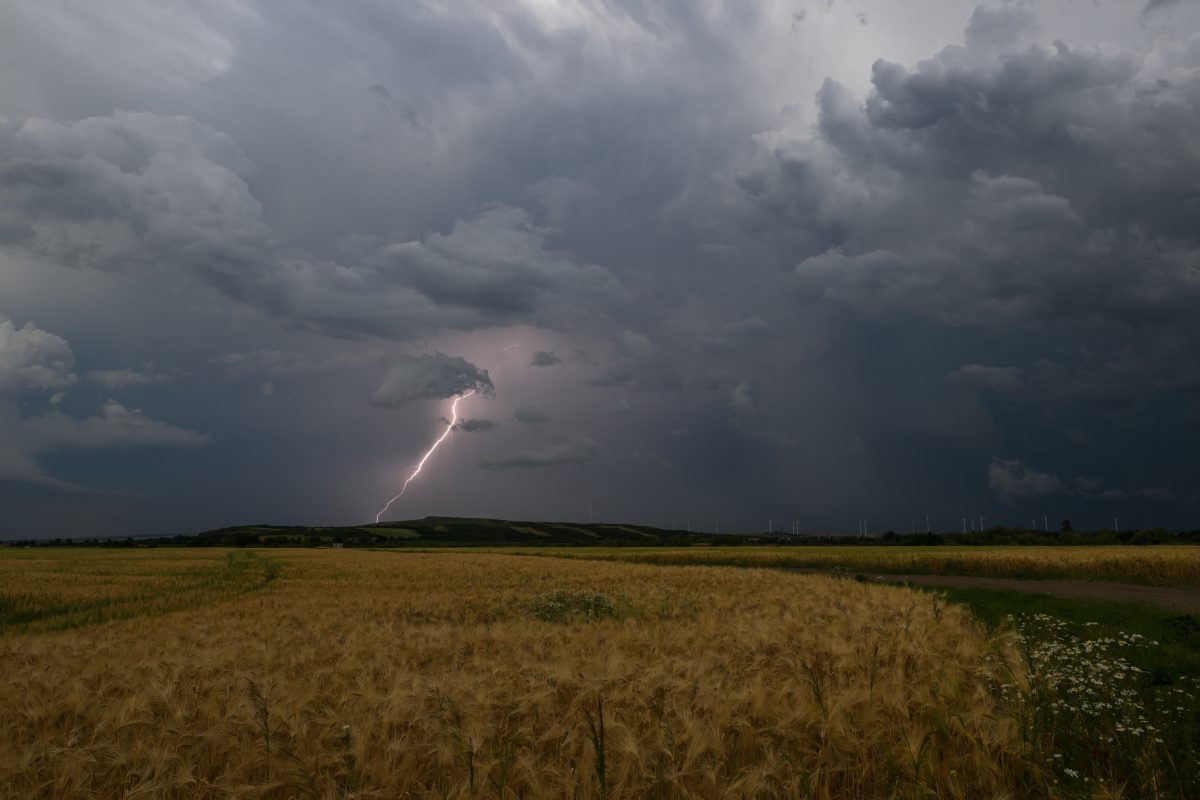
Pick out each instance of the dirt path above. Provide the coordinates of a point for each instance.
(1182, 601)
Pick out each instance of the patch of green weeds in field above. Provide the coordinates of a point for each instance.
(243, 571)
(562, 606)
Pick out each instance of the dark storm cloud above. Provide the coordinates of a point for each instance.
(143, 191)
(497, 264)
(1041, 184)
(982, 376)
(1011, 479)
(1027, 210)
(531, 415)
(476, 425)
(640, 364)
(741, 334)
(552, 455)
(428, 377)
(545, 358)
(998, 183)
(950, 286)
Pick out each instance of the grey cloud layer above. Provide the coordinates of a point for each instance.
(114, 426)
(144, 191)
(550, 455)
(531, 415)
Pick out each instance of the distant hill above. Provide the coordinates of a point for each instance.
(478, 532)
(466, 532)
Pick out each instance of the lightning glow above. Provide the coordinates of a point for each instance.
(432, 449)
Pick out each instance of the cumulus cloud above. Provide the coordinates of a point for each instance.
(741, 398)
(571, 452)
(108, 192)
(430, 376)
(545, 358)
(33, 358)
(530, 415)
(1010, 479)
(114, 427)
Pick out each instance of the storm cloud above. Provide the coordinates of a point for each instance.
(429, 376)
(545, 358)
(551, 455)
(828, 261)
(531, 415)
(1011, 479)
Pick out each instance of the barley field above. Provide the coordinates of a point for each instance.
(351, 674)
(1155, 565)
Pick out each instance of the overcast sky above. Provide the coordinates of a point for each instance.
(817, 260)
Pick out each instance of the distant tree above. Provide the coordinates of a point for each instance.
(1143, 537)
(1066, 526)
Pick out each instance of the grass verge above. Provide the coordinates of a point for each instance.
(1112, 702)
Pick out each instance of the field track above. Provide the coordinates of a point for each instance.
(1183, 601)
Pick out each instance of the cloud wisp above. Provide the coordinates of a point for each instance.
(575, 451)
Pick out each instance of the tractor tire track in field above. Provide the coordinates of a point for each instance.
(1182, 601)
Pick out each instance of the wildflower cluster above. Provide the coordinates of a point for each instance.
(1093, 716)
(561, 605)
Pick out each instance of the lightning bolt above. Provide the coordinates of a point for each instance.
(428, 453)
(449, 427)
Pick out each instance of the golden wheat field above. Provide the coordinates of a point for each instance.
(1155, 565)
(351, 674)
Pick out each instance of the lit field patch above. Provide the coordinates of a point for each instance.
(46, 589)
(1155, 565)
(468, 675)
